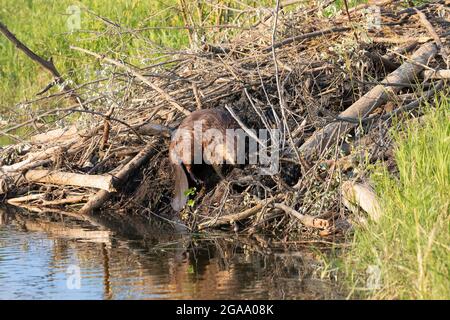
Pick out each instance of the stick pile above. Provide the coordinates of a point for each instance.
(331, 85)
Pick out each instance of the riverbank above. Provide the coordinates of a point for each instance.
(406, 255)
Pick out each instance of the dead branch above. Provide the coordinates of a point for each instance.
(438, 74)
(47, 65)
(306, 36)
(433, 33)
(231, 218)
(26, 198)
(56, 135)
(34, 159)
(67, 200)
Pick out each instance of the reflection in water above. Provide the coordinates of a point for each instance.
(124, 258)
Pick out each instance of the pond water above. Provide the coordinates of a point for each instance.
(55, 257)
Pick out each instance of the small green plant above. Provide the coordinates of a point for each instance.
(190, 192)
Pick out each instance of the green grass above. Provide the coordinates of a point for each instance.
(42, 26)
(410, 245)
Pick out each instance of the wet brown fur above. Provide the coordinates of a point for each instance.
(210, 119)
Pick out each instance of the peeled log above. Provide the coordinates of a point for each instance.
(406, 73)
(361, 195)
(71, 179)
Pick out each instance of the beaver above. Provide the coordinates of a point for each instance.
(208, 129)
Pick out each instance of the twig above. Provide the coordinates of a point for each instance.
(306, 36)
(164, 94)
(44, 114)
(433, 33)
(346, 10)
(107, 117)
(243, 126)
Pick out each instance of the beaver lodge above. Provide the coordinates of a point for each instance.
(332, 87)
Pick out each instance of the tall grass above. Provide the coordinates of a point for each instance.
(410, 245)
(42, 25)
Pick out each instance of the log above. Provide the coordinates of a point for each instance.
(361, 195)
(97, 200)
(71, 179)
(406, 73)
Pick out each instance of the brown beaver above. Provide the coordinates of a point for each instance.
(210, 148)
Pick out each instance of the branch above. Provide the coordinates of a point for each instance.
(306, 36)
(47, 65)
(432, 32)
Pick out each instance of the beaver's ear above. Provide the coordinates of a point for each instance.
(181, 185)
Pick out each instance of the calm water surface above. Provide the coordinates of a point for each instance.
(127, 258)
